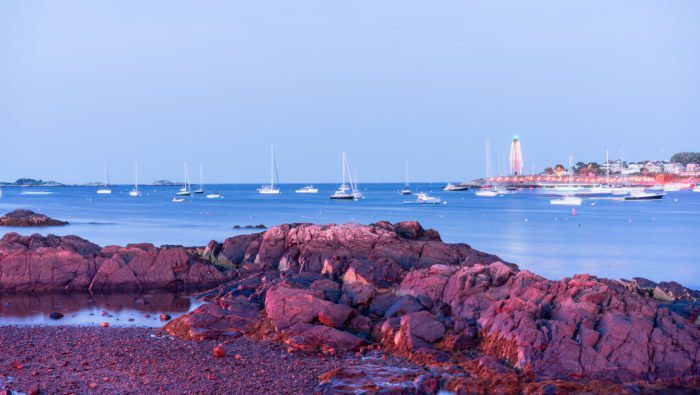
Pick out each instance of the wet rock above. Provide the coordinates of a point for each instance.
(219, 351)
(55, 315)
(27, 218)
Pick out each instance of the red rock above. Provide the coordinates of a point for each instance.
(219, 351)
(104, 324)
(24, 218)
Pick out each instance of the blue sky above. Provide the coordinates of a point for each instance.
(219, 81)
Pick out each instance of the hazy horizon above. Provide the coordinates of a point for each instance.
(218, 82)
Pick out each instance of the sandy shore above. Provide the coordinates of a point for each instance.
(141, 360)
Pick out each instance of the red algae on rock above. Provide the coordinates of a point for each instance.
(434, 316)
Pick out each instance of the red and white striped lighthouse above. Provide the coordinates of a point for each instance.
(516, 157)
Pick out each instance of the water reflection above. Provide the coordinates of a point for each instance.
(84, 309)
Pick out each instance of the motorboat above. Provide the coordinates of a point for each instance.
(104, 190)
(406, 191)
(450, 187)
(273, 187)
(178, 199)
(486, 192)
(307, 189)
(643, 195)
(568, 200)
(424, 198)
(214, 195)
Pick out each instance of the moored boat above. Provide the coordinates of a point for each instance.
(642, 195)
(450, 187)
(568, 200)
(104, 190)
(307, 189)
(424, 198)
(273, 187)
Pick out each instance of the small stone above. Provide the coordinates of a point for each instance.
(56, 315)
(219, 351)
(104, 324)
(165, 317)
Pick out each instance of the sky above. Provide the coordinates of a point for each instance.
(218, 82)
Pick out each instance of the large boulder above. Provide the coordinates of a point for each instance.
(27, 218)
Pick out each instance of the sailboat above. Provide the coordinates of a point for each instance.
(274, 181)
(105, 182)
(185, 190)
(344, 191)
(406, 190)
(135, 192)
(486, 190)
(569, 198)
(201, 181)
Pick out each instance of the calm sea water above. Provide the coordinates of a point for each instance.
(655, 239)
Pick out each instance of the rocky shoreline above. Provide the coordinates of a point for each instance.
(446, 316)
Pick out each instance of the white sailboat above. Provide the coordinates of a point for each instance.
(135, 192)
(186, 190)
(201, 181)
(406, 190)
(344, 192)
(273, 188)
(105, 182)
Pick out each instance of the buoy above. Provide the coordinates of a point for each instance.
(573, 212)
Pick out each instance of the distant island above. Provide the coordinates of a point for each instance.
(165, 183)
(30, 182)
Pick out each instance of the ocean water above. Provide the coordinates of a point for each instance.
(658, 240)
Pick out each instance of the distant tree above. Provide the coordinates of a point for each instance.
(559, 168)
(686, 157)
(549, 170)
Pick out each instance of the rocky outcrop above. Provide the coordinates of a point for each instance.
(475, 322)
(26, 218)
(51, 263)
(397, 287)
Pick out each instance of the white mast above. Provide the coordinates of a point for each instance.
(571, 169)
(187, 178)
(106, 176)
(344, 160)
(136, 175)
(607, 167)
(201, 177)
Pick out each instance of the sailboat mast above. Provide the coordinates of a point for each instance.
(187, 178)
(272, 166)
(607, 167)
(201, 177)
(136, 175)
(105, 174)
(571, 169)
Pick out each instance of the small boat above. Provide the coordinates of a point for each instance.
(307, 189)
(214, 195)
(135, 192)
(511, 188)
(424, 198)
(273, 188)
(406, 190)
(450, 187)
(486, 192)
(105, 189)
(345, 191)
(566, 201)
(200, 191)
(696, 189)
(185, 190)
(642, 195)
(178, 199)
